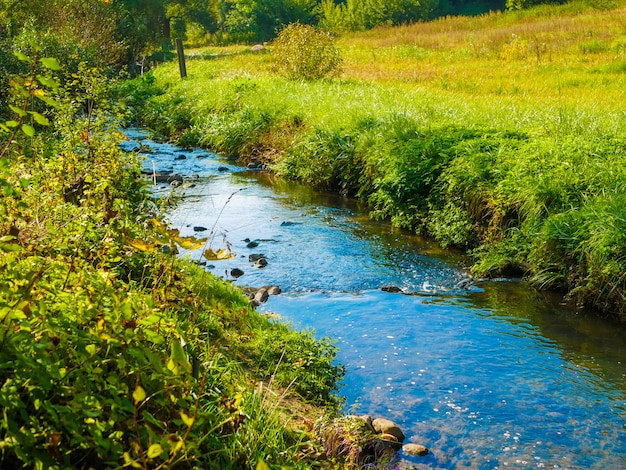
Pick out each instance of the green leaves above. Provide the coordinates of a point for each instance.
(27, 88)
(48, 82)
(39, 118)
(21, 56)
(178, 359)
(28, 130)
(20, 112)
(51, 63)
(139, 394)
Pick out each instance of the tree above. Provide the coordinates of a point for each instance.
(354, 15)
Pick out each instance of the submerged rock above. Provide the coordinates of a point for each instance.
(254, 257)
(174, 179)
(143, 148)
(465, 283)
(236, 272)
(391, 289)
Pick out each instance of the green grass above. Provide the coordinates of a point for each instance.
(115, 353)
(502, 134)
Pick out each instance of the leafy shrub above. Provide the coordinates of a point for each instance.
(233, 134)
(111, 351)
(323, 159)
(355, 15)
(137, 92)
(521, 4)
(299, 360)
(452, 226)
(303, 52)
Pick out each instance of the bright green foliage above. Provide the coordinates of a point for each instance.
(303, 52)
(231, 134)
(357, 15)
(113, 353)
(299, 361)
(521, 4)
(323, 159)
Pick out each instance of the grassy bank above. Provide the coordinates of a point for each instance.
(113, 352)
(503, 134)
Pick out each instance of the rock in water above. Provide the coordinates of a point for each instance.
(236, 272)
(260, 263)
(255, 257)
(385, 426)
(261, 296)
(391, 289)
(415, 450)
(274, 290)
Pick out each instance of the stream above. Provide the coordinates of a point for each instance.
(487, 375)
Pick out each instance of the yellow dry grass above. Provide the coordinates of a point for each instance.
(576, 58)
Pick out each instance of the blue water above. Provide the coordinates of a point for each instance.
(491, 375)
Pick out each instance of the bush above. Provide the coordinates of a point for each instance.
(521, 4)
(113, 353)
(306, 52)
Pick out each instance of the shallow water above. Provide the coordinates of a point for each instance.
(491, 375)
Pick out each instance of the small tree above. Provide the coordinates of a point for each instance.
(306, 52)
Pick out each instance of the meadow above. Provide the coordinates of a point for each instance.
(502, 134)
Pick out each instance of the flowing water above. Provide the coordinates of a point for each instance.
(487, 375)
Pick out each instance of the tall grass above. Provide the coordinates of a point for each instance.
(503, 134)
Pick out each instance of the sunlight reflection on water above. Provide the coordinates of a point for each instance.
(494, 376)
(480, 390)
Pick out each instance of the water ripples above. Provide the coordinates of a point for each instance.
(487, 375)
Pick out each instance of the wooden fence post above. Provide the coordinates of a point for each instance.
(181, 58)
